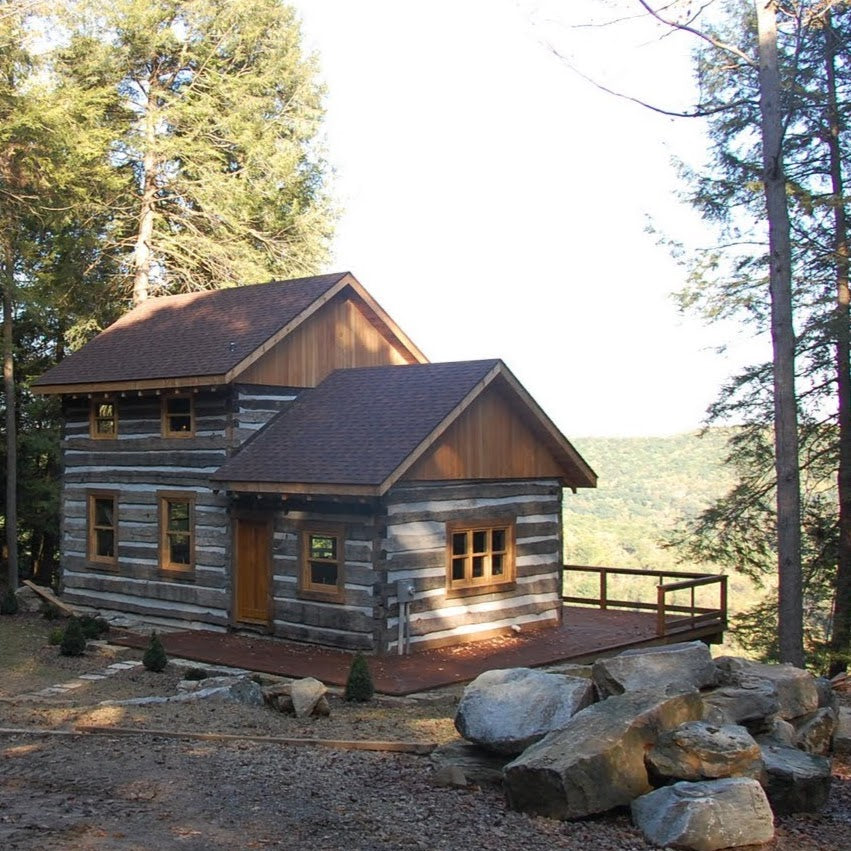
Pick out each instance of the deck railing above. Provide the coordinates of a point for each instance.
(670, 616)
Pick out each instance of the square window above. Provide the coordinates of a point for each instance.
(481, 558)
(321, 572)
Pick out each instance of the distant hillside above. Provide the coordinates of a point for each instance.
(646, 485)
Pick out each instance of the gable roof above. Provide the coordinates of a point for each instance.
(360, 430)
(205, 337)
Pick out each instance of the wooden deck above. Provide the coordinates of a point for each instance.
(585, 634)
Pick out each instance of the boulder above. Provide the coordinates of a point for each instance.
(507, 710)
(305, 694)
(701, 751)
(278, 696)
(597, 761)
(795, 781)
(797, 693)
(478, 765)
(842, 736)
(814, 732)
(686, 665)
(705, 816)
(826, 695)
(28, 601)
(777, 732)
(750, 702)
(246, 691)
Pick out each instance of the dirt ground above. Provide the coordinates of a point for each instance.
(61, 790)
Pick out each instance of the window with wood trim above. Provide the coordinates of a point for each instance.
(178, 416)
(103, 419)
(480, 556)
(321, 573)
(102, 513)
(177, 531)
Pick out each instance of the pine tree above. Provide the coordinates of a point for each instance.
(73, 640)
(154, 658)
(359, 685)
(217, 127)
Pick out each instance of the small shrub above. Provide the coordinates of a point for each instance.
(9, 603)
(73, 641)
(56, 636)
(359, 685)
(155, 658)
(93, 627)
(196, 674)
(49, 612)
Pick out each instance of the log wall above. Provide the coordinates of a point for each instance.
(351, 624)
(137, 464)
(414, 550)
(254, 405)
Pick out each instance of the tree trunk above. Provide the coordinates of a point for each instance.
(790, 610)
(840, 639)
(11, 431)
(142, 250)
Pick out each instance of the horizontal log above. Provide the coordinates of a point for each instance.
(433, 642)
(152, 443)
(415, 493)
(447, 513)
(486, 620)
(164, 479)
(147, 607)
(152, 590)
(331, 638)
(334, 616)
(431, 593)
(116, 458)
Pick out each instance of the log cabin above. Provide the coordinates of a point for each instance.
(282, 458)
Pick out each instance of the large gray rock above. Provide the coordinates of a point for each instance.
(706, 816)
(701, 751)
(474, 763)
(686, 665)
(750, 702)
(814, 732)
(797, 693)
(507, 710)
(842, 736)
(795, 781)
(597, 761)
(246, 691)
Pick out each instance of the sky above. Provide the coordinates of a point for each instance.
(496, 204)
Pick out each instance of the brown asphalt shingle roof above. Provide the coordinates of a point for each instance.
(190, 335)
(357, 426)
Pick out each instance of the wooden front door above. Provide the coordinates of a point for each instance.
(253, 546)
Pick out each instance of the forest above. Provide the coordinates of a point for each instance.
(151, 147)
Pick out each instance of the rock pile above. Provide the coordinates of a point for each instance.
(704, 751)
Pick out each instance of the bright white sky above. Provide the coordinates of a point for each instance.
(495, 203)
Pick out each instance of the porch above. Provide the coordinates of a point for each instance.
(667, 607)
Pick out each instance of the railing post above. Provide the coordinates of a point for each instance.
(660, 610)
(604, 590)
(724, 602)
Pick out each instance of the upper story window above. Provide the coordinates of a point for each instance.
(178, 416)
(102, 511)
(103, 418)
(321, 573)
(177, 531)
(480, 557)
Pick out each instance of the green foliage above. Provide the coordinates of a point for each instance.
(73, 641)
(8, 603)
(54, 639)
(155, 658)
(93, 628)
(359, 685)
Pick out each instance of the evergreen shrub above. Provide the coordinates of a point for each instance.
(56, 636)
(155, 658)
(73, 641)
(359, 685)
(9, 603)
(93, 627)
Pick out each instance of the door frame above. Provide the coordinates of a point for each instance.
(265, 519)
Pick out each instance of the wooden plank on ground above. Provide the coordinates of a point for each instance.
(48, 596)
(337, 744)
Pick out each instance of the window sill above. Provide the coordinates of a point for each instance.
(176, 574)
(478, 590)
(103, 566)
(335, 596)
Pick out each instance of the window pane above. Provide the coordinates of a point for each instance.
(105, 411)
(480, 542)
(478, 566)
(179, 423)
(105, 426)
(458, 568)
(180, 405)
(323, 546)
(497, 564)
(178, 516)
(104, 512)
(105, 543)
(322, 573)
(178, 548)
(498, 540)
(459, 543)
